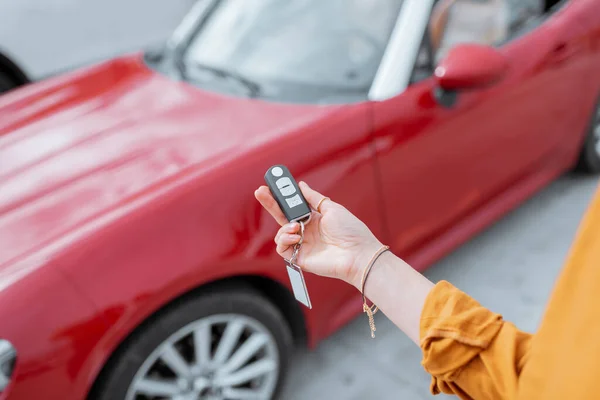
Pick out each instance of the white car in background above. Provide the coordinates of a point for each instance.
(40, 38)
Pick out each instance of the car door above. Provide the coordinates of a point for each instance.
(441, 164)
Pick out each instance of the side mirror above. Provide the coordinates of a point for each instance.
(470, 66)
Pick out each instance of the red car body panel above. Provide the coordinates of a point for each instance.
(185, 162)
(444, 164)
(121, 190)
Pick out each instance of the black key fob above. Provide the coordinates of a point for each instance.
(287, 193)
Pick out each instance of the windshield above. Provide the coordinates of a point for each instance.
(295, 48)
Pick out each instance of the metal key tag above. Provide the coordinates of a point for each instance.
(298, 284)
(295, 273)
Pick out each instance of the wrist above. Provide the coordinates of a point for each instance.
(361, 261)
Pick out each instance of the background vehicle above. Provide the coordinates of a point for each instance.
(39, 38)
(135, 261)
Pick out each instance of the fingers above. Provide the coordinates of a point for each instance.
(265, 198)
(313, 197)
(286, 237)
(287, 229)
(286, 241)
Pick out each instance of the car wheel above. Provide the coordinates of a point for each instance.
(228, 344)
(589, 160)
(6, 83)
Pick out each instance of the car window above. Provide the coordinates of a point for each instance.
(297, 44)
(489, 22)
(522, 11)
(526, 19)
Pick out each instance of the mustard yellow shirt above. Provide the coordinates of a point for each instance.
(473, 353)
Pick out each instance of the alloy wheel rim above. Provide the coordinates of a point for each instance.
(221, 357)
(597, 132)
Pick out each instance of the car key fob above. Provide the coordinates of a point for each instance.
(287, 194)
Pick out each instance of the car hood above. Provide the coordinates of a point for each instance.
(74, 147)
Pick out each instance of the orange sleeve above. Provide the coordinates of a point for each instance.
(468, 350)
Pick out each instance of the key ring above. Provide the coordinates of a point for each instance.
(298, 245)
(301, 233)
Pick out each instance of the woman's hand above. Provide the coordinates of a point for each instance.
(336, 243)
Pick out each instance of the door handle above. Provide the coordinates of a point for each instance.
(561, 52)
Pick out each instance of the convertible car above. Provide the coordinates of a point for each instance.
(135, 262)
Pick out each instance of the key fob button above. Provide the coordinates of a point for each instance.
(277, 171)
(294, 201)
(286, 187)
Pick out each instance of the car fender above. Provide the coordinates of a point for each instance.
(52, 326)
(173, 245)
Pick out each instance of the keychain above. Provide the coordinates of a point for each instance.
(295, 273)
(294, 206)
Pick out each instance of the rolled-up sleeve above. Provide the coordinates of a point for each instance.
(468, 350)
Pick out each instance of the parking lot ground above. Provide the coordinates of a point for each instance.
(510, 268)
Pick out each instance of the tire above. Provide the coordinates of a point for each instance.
(157, 349)
(589, 160)
(6, 83)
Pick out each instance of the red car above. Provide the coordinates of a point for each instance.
(135, 262)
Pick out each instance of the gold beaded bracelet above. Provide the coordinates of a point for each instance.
(371, 310)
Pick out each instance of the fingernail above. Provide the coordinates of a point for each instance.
(304, 183)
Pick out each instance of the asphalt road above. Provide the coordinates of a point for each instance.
(510, 268)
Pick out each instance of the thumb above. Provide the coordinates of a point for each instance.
(313, 197)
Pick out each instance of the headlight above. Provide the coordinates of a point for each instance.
(8, 357)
